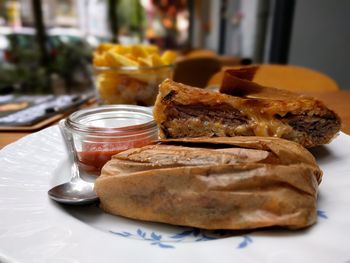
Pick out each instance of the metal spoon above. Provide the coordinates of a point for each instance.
(77, 191)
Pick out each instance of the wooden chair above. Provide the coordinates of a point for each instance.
(196, 71)
(293, 78)
(230, 61)
(199, 53)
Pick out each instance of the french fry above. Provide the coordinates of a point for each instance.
(99, 60)
(168, 57)
(107, 83)
(115, 55)
(139, 51)
(139, 85)
(131, 56)
(111, 61)
(122, 60)
(145, 62)
(156, 61)
(121, 49)
(104, 47)
(151, 49)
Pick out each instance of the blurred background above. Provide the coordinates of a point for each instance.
(46, 46)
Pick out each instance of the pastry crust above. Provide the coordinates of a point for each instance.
(183, 111)
(214, 183)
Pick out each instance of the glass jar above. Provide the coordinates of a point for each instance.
(130, 85)
(101, 132)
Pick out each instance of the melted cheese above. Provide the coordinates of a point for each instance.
(266, 125)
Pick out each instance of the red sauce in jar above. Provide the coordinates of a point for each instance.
(101, 132)
(95, 155)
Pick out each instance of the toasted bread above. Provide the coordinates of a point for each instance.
(247, 110)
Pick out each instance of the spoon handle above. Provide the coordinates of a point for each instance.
(68, 139)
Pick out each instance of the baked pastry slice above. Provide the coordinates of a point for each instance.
(246, 109)
(214, 183)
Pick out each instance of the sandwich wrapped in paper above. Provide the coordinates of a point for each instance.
(243, 108)
(214, 183)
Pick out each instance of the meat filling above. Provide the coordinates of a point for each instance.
(223, 120)
(200, 120)
(222, 113)
(317, 127)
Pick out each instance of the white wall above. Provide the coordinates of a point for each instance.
(93, 17)
(201, 15)
(321, 38)
(249, 8)
(233, 42)
(240, 36)
(211, 40)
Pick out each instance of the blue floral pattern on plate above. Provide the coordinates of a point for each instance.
(192, 234)
(153, 238)
(322, 214)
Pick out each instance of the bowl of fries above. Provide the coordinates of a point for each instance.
(130, 74)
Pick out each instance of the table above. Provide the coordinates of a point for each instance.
(338, 101)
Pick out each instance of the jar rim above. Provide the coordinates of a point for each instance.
(72, 122)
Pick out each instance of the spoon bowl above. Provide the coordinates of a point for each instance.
(77, 191)
(75, 194)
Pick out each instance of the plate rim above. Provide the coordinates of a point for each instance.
(52, 137)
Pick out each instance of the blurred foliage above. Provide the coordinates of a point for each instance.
(70, 59)
(2, 8)
(131, 15)
(126, 17)
(69, 68)
(72, 63)
(23, 79)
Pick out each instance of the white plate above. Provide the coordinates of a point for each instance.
(36, 229)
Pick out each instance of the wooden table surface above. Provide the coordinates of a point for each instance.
(338, 101)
